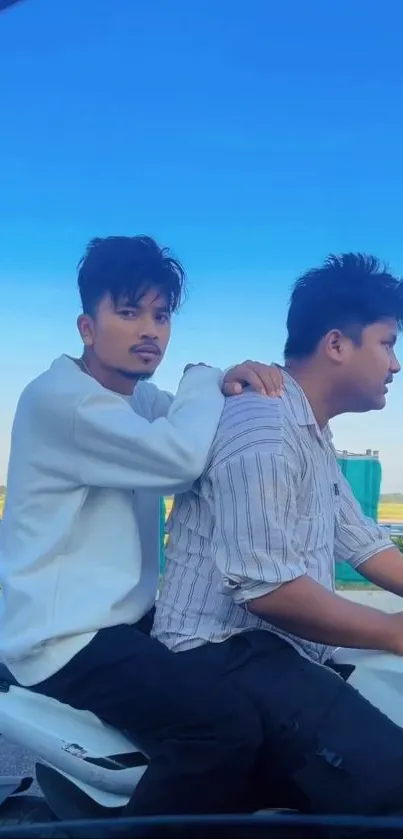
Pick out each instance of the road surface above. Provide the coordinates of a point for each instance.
(15, 761)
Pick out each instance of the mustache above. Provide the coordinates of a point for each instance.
(146, 346)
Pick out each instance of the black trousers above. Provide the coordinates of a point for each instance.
(202, 737)
(332, 751)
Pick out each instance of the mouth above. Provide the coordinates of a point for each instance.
(146, 353)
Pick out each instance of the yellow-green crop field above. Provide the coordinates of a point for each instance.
(168, 505)
(387, 511)
(390, 511)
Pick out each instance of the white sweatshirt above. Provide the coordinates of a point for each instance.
(73, 558)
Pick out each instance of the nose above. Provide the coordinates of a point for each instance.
(147, 328)
(395, 365)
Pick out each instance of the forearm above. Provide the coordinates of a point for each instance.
(115, 447)
(304, 608)
(385, 570)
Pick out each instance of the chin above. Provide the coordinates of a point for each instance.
(144, 370)
(377, 404)
(137, 374)
(363, 407)
(141, 377)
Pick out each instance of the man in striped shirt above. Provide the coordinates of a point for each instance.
(249, 585)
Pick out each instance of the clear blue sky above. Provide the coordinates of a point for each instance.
(252, 137)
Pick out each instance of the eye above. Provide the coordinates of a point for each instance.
(127, 313)
(162, 317)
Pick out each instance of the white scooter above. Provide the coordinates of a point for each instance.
(86, 769)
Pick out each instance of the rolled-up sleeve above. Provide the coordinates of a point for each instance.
(253, 545)
(357, 537)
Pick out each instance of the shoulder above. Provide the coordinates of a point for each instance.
(39, 391)
(58, 391)
(251, 422)
(45, 408)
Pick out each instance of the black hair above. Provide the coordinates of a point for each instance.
(348, 292)
(126, 267)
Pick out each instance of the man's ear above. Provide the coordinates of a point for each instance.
(336, 346)
(85, 326)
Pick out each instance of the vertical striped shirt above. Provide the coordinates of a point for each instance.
(271, 506)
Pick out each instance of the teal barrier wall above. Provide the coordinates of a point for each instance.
(364, 474)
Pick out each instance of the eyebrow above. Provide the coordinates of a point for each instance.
(137, 304)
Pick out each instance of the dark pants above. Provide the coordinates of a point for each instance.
(335, 752)
(202, 737)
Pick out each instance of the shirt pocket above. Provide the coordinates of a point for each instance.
(310, 533)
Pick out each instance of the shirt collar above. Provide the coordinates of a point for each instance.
(301, 408)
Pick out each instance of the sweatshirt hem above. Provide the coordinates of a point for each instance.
(49, 660)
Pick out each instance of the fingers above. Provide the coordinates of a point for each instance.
(245, 376)
(233, 388)
(270, 376)
(262, 378)
(266, 379)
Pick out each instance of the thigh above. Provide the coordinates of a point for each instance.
(342, 753)
(134, 682)
(285, 687)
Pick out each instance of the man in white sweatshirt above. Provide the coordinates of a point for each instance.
(79, 543)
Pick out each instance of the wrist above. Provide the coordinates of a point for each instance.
(392, 635)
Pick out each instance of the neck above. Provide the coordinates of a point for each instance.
(107, 377)
(315, 385)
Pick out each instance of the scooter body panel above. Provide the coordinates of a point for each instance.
(99, 759)
(378, 677)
